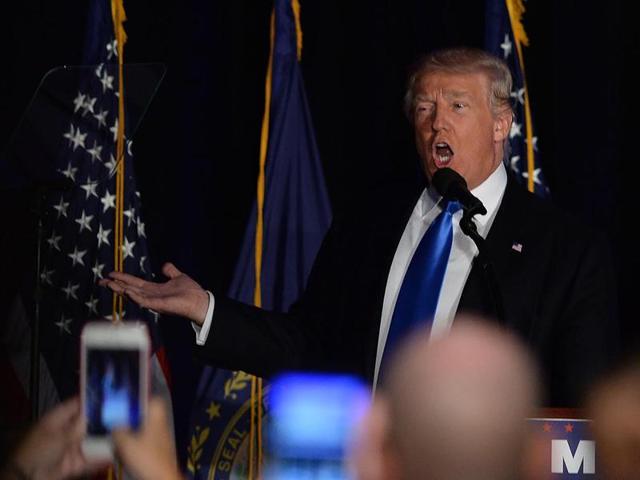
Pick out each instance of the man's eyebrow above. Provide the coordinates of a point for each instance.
(424, 98)
(457, 94)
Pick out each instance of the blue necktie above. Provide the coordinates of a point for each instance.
(420, 290)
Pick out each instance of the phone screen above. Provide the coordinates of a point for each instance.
(311, 425)
(112, 390)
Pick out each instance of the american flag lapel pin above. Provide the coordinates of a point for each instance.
(516, 246)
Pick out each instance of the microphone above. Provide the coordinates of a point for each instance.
(452, 186)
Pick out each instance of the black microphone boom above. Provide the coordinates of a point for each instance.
(452, 186)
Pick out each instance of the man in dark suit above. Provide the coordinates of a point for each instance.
(554, 276)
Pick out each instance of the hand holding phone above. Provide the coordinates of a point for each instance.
(114, 381)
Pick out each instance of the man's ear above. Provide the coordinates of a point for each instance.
(502, 125)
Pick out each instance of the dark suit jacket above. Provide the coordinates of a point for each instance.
(558, 296)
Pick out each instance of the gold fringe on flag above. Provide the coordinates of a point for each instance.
(119, 17)
(516, 11)
(255, 431)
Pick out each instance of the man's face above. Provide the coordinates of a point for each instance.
(455, 126)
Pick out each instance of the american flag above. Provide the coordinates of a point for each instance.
(78, 243)
(505, 36)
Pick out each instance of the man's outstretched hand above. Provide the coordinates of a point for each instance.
(180, 295)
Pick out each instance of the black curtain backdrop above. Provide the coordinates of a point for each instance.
(197, 149)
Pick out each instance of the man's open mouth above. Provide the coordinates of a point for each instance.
(443, 154)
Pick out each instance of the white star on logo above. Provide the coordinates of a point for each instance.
(61, 208)
(76, 256)
(70, 290)
(515, 129)
(106, 81)
(127, 248)
(54, 241)
(70, 172)
(95, 152)
(103, 236)
(84, 221)
(78, 102)
(101, 118)
(108, 201)
(536, 176)
(63, 324)
(97, 270)
(92, 305)
(506, 46)
(90, 188)
(45, 276)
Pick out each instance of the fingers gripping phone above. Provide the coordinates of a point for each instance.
(114, 381)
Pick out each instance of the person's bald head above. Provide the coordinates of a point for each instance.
(457, 405)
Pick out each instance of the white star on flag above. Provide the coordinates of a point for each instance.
(76, 256)
(84, 221)
(45, 276)
(97, 270)
(112, 49)
(108, 201)
(70, 172)
(506, 46)
(54, 241)
(90, 188)
(114, 130)
(63, 324)
(95, 152)
(76, 137)
(141, 232)
(107, 81)
(70, 290)
(127, 248)
(536, 176)
(111, 164)
(130, 215)
(88, 104)
(534, 141)
(77, 104)
(101, 118)
(92, 305)
(518, 95)
(118, 318)
(141, 263)
(103, 236)
(514, 163)
(515, 129)
(61, 208)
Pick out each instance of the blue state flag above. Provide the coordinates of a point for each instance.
(505, 37)
(287, 224)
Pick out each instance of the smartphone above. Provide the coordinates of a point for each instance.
(311, 425)
(114, 381)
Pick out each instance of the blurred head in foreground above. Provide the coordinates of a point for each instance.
(452, 408)
(614, 407)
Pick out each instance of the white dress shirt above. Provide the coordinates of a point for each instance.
(463, 250)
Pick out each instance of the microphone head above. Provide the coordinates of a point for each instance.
(444, 179)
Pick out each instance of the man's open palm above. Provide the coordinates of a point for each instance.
(180, 295)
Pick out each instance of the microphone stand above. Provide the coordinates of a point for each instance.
(470, 229)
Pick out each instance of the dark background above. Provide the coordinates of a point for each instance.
(197, 149)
